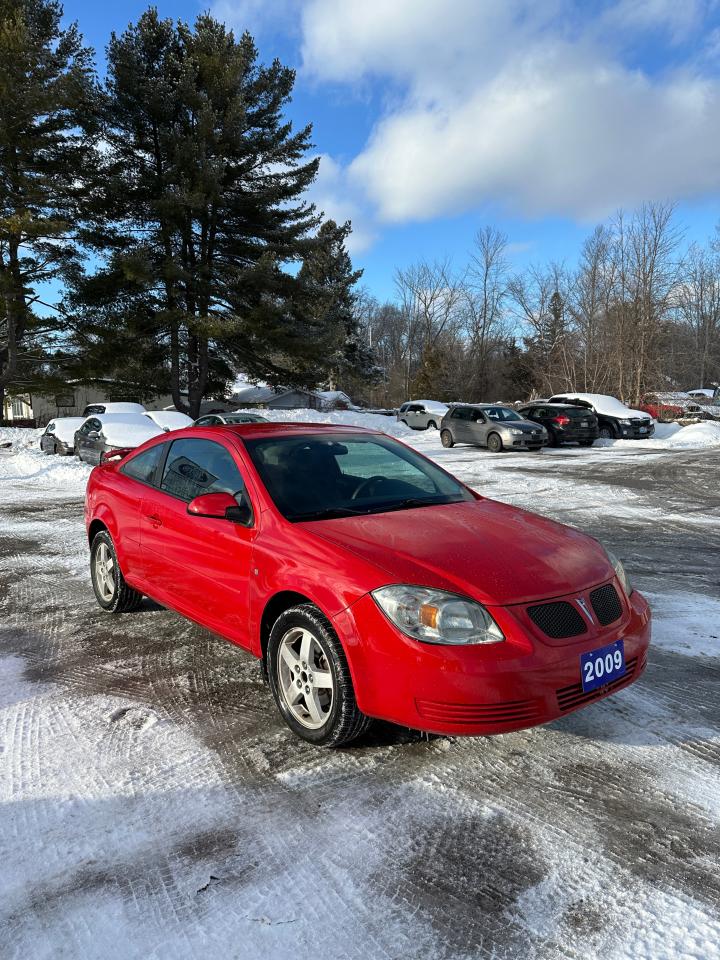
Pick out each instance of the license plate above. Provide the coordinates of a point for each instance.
(643, 430)
(602, 666)
(584, 423)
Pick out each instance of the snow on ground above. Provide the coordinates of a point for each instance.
(152, 804)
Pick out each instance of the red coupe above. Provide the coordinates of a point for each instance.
(370, 581)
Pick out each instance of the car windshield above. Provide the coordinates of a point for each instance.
(501, 413)
(319, 477)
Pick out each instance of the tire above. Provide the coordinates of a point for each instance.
(446, 438)
(554, 439)
(111, 592)
(337, 719)
(606, 433)
(494, 442)
(431, 425)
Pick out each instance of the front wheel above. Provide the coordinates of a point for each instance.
(310, 679)
(494, 443)
(446, 439)
(606, 433)
(111, 590)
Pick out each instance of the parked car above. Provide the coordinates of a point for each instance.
(564, 422)
(107, 432)
(422, 414)
(218, 419)
(370, 582)
(703, 394)
(488, 425)
(114, 407)
(169, 419)
(615, 420)
(59, 436)
(665, 407)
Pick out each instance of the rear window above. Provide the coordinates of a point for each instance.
(143, 467)
(578, 413)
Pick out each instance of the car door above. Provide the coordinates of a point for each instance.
(202, 563)
(478, 428)
(135, 479)
(85, 445)
(459, 421)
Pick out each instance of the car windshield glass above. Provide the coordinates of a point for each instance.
(317, 477)
(501, 413)
(577, 412)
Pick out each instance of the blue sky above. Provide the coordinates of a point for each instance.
(435, 117)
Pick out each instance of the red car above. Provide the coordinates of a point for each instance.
(370, 581)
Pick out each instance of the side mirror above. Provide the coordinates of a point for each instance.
(221, 506)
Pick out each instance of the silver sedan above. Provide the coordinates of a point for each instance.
(490, 425)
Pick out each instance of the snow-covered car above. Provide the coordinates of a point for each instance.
(702, 393)
(169, 420)
(59, 436)
(218, 419)
(615, 420)
(422, 414)
(107, 432)
(120, 406)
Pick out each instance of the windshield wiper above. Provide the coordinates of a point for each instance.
(330, 513)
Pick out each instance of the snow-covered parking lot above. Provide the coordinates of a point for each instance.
(154, 805)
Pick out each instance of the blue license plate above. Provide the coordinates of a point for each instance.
(602, 666)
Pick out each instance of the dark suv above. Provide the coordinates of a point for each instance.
(564, 422)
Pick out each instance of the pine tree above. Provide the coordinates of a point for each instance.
(199, 213)
(46, 115)
(328, 281)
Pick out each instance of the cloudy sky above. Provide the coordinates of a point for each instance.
(434, 117)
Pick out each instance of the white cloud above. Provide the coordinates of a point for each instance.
(336, 197)
(532, 108)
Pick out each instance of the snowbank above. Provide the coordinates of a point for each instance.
(705, 434)
(60, 476)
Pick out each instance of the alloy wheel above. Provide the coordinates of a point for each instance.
(105, 572)
(306, 680)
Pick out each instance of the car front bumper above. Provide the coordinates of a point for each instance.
(485, 688)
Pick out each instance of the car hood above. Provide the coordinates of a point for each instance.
(496, 553)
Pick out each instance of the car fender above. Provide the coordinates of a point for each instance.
(102, 512)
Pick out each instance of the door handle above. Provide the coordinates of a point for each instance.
(154, 519)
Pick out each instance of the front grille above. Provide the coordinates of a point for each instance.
(508, 711)
(606, 604)
(558, 620)
(569, 698)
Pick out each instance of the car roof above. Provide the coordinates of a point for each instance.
(483, 405)
(544, 403)
(278, 428)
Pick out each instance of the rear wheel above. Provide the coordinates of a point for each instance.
(431, 425)
(494, 443)
(446, 438)
(554, 439)
(111, 590)
(310, 679)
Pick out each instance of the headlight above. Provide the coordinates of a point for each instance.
(620, 571)
(435, 616)
(516, 433)
(626, 422)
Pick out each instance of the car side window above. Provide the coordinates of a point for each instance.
(538, 412)
(144, 466)
(196, 466)
(477, 416)
(462, 413)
